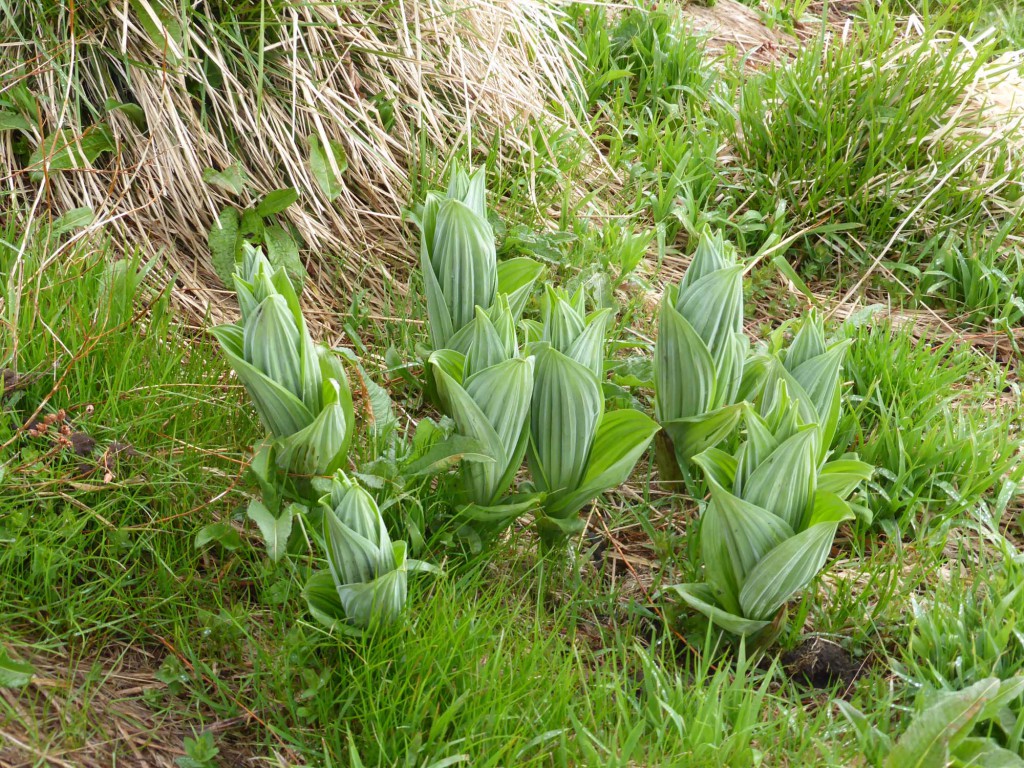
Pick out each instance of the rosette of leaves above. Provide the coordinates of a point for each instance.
(487, 391)
(459, 261)
(769, 526)
(366, 584)
(699, 357)
(809, 373)
(298, 388)
(577, 451)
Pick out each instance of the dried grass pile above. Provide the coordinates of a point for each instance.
(208, 83)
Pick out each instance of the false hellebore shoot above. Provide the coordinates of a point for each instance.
(366, 583)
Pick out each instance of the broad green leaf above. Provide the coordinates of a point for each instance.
(486, 346)
(696, 434)
(784, 483)
(132, 111)
(505, 392)
(588, 348)
(322, 597)
(785, 570)
(66, 150)
(735, 538)
(808, 343)
(440, 323)
(251, 225)
(328, 163)
(283, 251)
(221, 533)
(711, 255)
(281, 412)
(447, 453)
(162, 26)
(232, 179)
(376, 602)
(516, 279)
(500, 516)
(718, 466)
(684, 372)
(927, 740)
(353, 557)
(842, 476)
(562, 323)
(12, 121)
(275, 530)
(700, 598)
(14, 674)
(276, 201)
(714, 307)
(820, 379)
(829, 508)
(224, 242)
(270, 342)
(76, 218)
(567, 407)
(462, 256)
(621, 439)
(380, 600)
(321, 447)
(979, 752)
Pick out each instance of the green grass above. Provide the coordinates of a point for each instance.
(507, 659)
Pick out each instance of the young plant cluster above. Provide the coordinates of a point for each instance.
(531, 388)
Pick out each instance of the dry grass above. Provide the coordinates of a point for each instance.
(452, 74)
(92, 713)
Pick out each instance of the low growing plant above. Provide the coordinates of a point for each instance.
(366, 584)
(299, 388)
(459, 262)
(699, 357)
(577, 450)
(488, 392)
(767, 530)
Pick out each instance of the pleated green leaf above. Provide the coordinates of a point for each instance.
(684, 372)
(842, 476)
(820, 379)
(735, 536)
(784, 482)
(700, 598)
(335, 389)
(621, 439)
(281, 412)
(493, 409)
(785, 570)
(352, 557)
(516, 279)
(321, 594)
(567, 407)
(464, 261)
(696, 434)
(714, 307)
(719, 467)
(486, 346)
(320, 448)
(439, 319)
(504, 393)
(808, 343)
(712, 254)
(588, 348)
(381, 600)
(830, 508)
(271, 344)
(562, 322)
